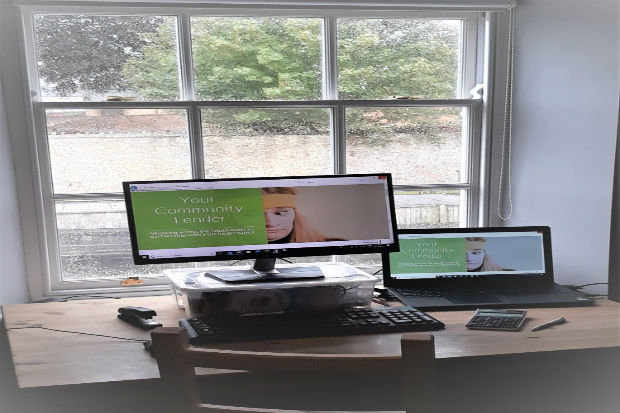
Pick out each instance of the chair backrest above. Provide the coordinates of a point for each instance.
(176, 359)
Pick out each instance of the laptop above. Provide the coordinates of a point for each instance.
(467, 268)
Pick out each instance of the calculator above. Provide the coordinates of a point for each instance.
(507, 320)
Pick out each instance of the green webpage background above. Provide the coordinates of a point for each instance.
(176, 219)
(429, 255)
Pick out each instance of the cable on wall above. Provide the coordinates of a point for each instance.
(506, 156)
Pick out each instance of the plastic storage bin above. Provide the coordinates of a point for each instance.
(202, 295)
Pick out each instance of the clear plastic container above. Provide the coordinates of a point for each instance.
(202, 295)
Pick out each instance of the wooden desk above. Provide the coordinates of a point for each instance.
(53, 358)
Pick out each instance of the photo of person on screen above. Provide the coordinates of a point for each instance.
(283, 222)
(477, 258)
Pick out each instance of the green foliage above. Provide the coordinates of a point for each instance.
(380, 58)
(258, 59)
(80, 53)
(279, 59)
(153, 74)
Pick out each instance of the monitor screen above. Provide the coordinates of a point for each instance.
(470, 253)
(233, 219)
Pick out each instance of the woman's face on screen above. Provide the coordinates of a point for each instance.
(474, 259)
(279, 222)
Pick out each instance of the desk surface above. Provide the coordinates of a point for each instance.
(43, 357)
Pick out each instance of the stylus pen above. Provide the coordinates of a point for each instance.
(557, 321)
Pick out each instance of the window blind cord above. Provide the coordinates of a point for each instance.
(506, 155)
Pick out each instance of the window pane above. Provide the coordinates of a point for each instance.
(94, 150)
(257, 58)
(428, 209)
(417, 145)
(94, 241)
(380, 58)
(94, 58)
(266, 142)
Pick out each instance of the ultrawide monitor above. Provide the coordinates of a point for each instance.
(260, 218)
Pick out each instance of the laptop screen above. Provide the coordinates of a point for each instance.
(468, 253)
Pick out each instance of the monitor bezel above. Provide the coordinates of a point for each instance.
(293, 252)
(545, 278)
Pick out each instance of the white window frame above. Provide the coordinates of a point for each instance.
(477, 71)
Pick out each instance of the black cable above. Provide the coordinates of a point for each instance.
(343, 289)
(78, 332)
(587, 285)
(63, 299)
(578, 288)
(381, 301)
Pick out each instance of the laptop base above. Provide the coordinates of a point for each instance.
(557, 296)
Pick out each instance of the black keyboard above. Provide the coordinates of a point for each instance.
(342, 322)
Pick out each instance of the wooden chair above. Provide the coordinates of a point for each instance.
(414, 370)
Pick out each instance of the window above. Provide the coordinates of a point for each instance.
(173, 93)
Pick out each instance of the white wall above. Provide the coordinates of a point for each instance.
(565, 128)
(13, 287)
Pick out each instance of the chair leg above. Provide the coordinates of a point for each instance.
(177, 377)
(419, 372)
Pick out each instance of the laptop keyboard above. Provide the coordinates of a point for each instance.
(464, 292)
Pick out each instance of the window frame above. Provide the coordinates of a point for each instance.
(475, 128)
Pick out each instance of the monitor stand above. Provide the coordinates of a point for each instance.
(264, 270)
